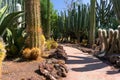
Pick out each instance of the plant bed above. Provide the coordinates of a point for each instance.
(20, 69)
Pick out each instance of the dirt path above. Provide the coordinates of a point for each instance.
(81, 67)
(86, 67)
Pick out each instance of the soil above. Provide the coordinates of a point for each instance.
(82, 66)
(12, 70)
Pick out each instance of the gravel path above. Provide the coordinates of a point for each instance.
(83, 66)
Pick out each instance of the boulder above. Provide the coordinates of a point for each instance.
(59, 54)
(53, 69)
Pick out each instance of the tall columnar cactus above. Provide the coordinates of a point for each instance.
(119, 38)
(100, 35)
(75, 23)
(117, 8)
(104, 13)
(92, 22)
(110, 41)
(33, 26)
(48, 20)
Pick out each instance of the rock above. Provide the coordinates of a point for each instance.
(53, 69)
(59, 54)
(114, 58)
(118, 63)
(48, 71)
(61, 70)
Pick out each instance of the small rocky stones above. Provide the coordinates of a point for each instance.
(59, 54)
(53, 69)
(115, 59)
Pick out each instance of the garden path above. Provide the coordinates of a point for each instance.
(83, 66)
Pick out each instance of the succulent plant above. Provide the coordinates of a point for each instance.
(2, 50)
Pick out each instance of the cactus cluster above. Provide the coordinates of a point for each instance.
(2, 50)
(73, 24)
(31, 54)
(110, 41)
(51, 44)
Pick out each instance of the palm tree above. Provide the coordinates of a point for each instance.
(92, 22)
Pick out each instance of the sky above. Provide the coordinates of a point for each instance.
(60, 5)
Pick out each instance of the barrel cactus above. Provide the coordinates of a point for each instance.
(2, 50)
(2, 53)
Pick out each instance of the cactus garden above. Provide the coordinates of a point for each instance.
(59, 40)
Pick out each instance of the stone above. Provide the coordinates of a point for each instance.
(59, 54)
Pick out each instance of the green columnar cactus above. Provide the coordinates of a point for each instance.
(104, 13)
(117, 8)
(48, 20)
(92, 22)
(33, 25)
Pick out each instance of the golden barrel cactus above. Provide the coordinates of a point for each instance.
(2, 54)
(2, 50)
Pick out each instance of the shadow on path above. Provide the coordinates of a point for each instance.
(89, 62)
(90, 67)
(113, 72)
(82, 60)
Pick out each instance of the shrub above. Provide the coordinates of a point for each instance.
(51, 44)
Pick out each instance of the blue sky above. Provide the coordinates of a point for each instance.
(60, 4)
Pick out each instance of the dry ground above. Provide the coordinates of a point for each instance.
(82, 66)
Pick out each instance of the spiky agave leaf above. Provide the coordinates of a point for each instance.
(8, 20)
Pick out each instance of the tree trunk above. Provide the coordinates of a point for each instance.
(92, 23)
(33, 23)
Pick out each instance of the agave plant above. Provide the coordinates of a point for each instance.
(7, 26)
